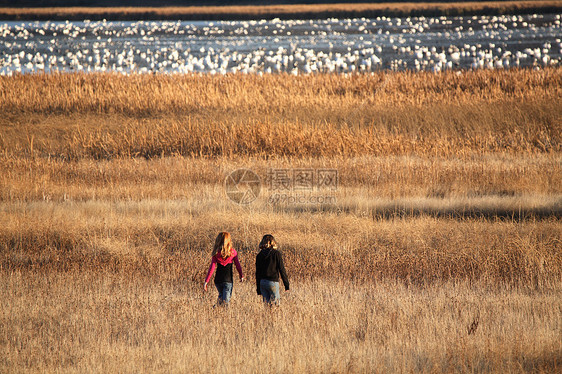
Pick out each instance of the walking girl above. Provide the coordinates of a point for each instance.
(269, 265)
(222, 258)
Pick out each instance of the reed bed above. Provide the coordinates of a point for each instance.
(172, 238)
(104, 116)
(311, 11)
(92, 322)
(103, 286)
(144, 95)
(367, 178)
(441, 251)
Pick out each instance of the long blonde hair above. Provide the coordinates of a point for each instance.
(223, 245)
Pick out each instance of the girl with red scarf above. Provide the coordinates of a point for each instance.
(223, 257)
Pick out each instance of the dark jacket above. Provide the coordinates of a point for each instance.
(224, 268)
(269, 265)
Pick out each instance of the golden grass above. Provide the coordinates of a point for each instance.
(173, 236)
(451, 114)
(105, 286)
(99, 322)
(364, 181)
(145, 95)
(285, 11)
(441, 253)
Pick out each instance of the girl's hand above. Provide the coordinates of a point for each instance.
(205, 287)
(242, 279)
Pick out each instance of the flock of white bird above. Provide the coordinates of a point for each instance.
(274, 46)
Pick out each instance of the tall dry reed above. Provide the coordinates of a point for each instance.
(104, 116)
(93, 321)
(441, 252)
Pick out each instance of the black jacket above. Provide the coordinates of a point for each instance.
(269, 264)
(224, 273)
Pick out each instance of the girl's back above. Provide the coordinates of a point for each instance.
(269, 266)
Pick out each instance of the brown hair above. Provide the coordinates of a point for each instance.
(268, 241)
(223, 245)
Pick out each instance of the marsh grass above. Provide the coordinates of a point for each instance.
(454, 114)
(441, 253)
(365, 180)
(95, 321)
(172, 237)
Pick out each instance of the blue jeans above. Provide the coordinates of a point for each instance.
(225, 291)
(270, 291)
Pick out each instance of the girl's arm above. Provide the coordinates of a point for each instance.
(211, 270)
(238, 267)
(257, 278)
(283, 272)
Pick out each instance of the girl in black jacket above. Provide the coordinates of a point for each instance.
(269, 265)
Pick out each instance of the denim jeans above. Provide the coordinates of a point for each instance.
(269, 291)
(225, 291)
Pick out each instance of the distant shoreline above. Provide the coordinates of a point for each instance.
(319, 11)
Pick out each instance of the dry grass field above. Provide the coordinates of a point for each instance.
(454, 114)
(84, 322)
(441, 251)
(368, 10)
